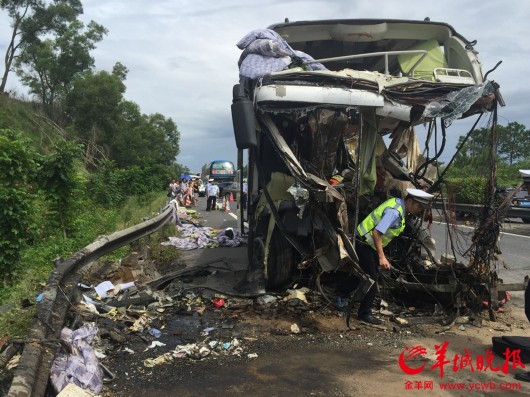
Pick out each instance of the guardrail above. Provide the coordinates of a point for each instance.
(513, 212)
(32, 374)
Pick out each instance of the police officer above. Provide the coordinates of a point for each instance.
(375, 232)
(212, 190)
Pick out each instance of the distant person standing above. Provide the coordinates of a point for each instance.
(173, 185)
(213, 191)
(195, 199)
(189, 200)
(183, 191)
(244, 192)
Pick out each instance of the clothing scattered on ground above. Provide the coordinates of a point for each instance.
(230, 238)
(81, 367)
(194, 237)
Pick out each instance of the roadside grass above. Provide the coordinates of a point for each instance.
(18, 299)
(164, 255)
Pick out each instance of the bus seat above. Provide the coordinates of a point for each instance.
(424, 70)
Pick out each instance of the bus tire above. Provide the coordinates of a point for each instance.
(280, 262)
(258, 254)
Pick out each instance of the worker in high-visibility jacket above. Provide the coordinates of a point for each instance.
(375, 232)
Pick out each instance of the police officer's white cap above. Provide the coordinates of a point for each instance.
(420, 196)
(210, 180)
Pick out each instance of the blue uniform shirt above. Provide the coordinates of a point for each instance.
(391, 218)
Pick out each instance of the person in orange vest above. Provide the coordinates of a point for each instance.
(188, 198)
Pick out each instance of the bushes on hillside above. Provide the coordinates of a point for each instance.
(110, 185)
(18, 165)
(466, 190)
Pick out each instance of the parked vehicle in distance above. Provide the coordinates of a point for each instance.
(222, 170)
(225, 188)
(522, 198)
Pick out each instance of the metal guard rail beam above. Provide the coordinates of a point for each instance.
(31, 376)
(513, 212)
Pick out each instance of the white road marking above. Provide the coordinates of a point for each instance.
(235, 217)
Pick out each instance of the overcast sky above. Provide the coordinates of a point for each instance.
(182, 55)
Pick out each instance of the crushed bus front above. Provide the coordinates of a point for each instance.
(328, 111)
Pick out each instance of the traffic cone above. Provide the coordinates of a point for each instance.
(231, 197)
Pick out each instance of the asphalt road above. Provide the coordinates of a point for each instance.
(514, 243)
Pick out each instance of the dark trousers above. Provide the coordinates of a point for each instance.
(369, 262)
(244, 201)
(211, 203)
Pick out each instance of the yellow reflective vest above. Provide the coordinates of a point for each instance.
(365, 227)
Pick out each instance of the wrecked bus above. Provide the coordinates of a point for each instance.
(328, 111)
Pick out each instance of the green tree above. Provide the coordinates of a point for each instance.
(205, 170)
(513, 147)
(93, 106)
(19, 11)
(49, 66)
(129, 143)
(32, 19)
(138, 138)
(104, 184)
(168, 145)
(115, 129)
(61, 184)
(513, 153)
(474, 155)
(514, 144)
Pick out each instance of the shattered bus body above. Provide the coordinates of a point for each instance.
(328, 111)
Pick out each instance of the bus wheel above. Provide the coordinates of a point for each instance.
(258, 253)
(254, 281)
(280, 263)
